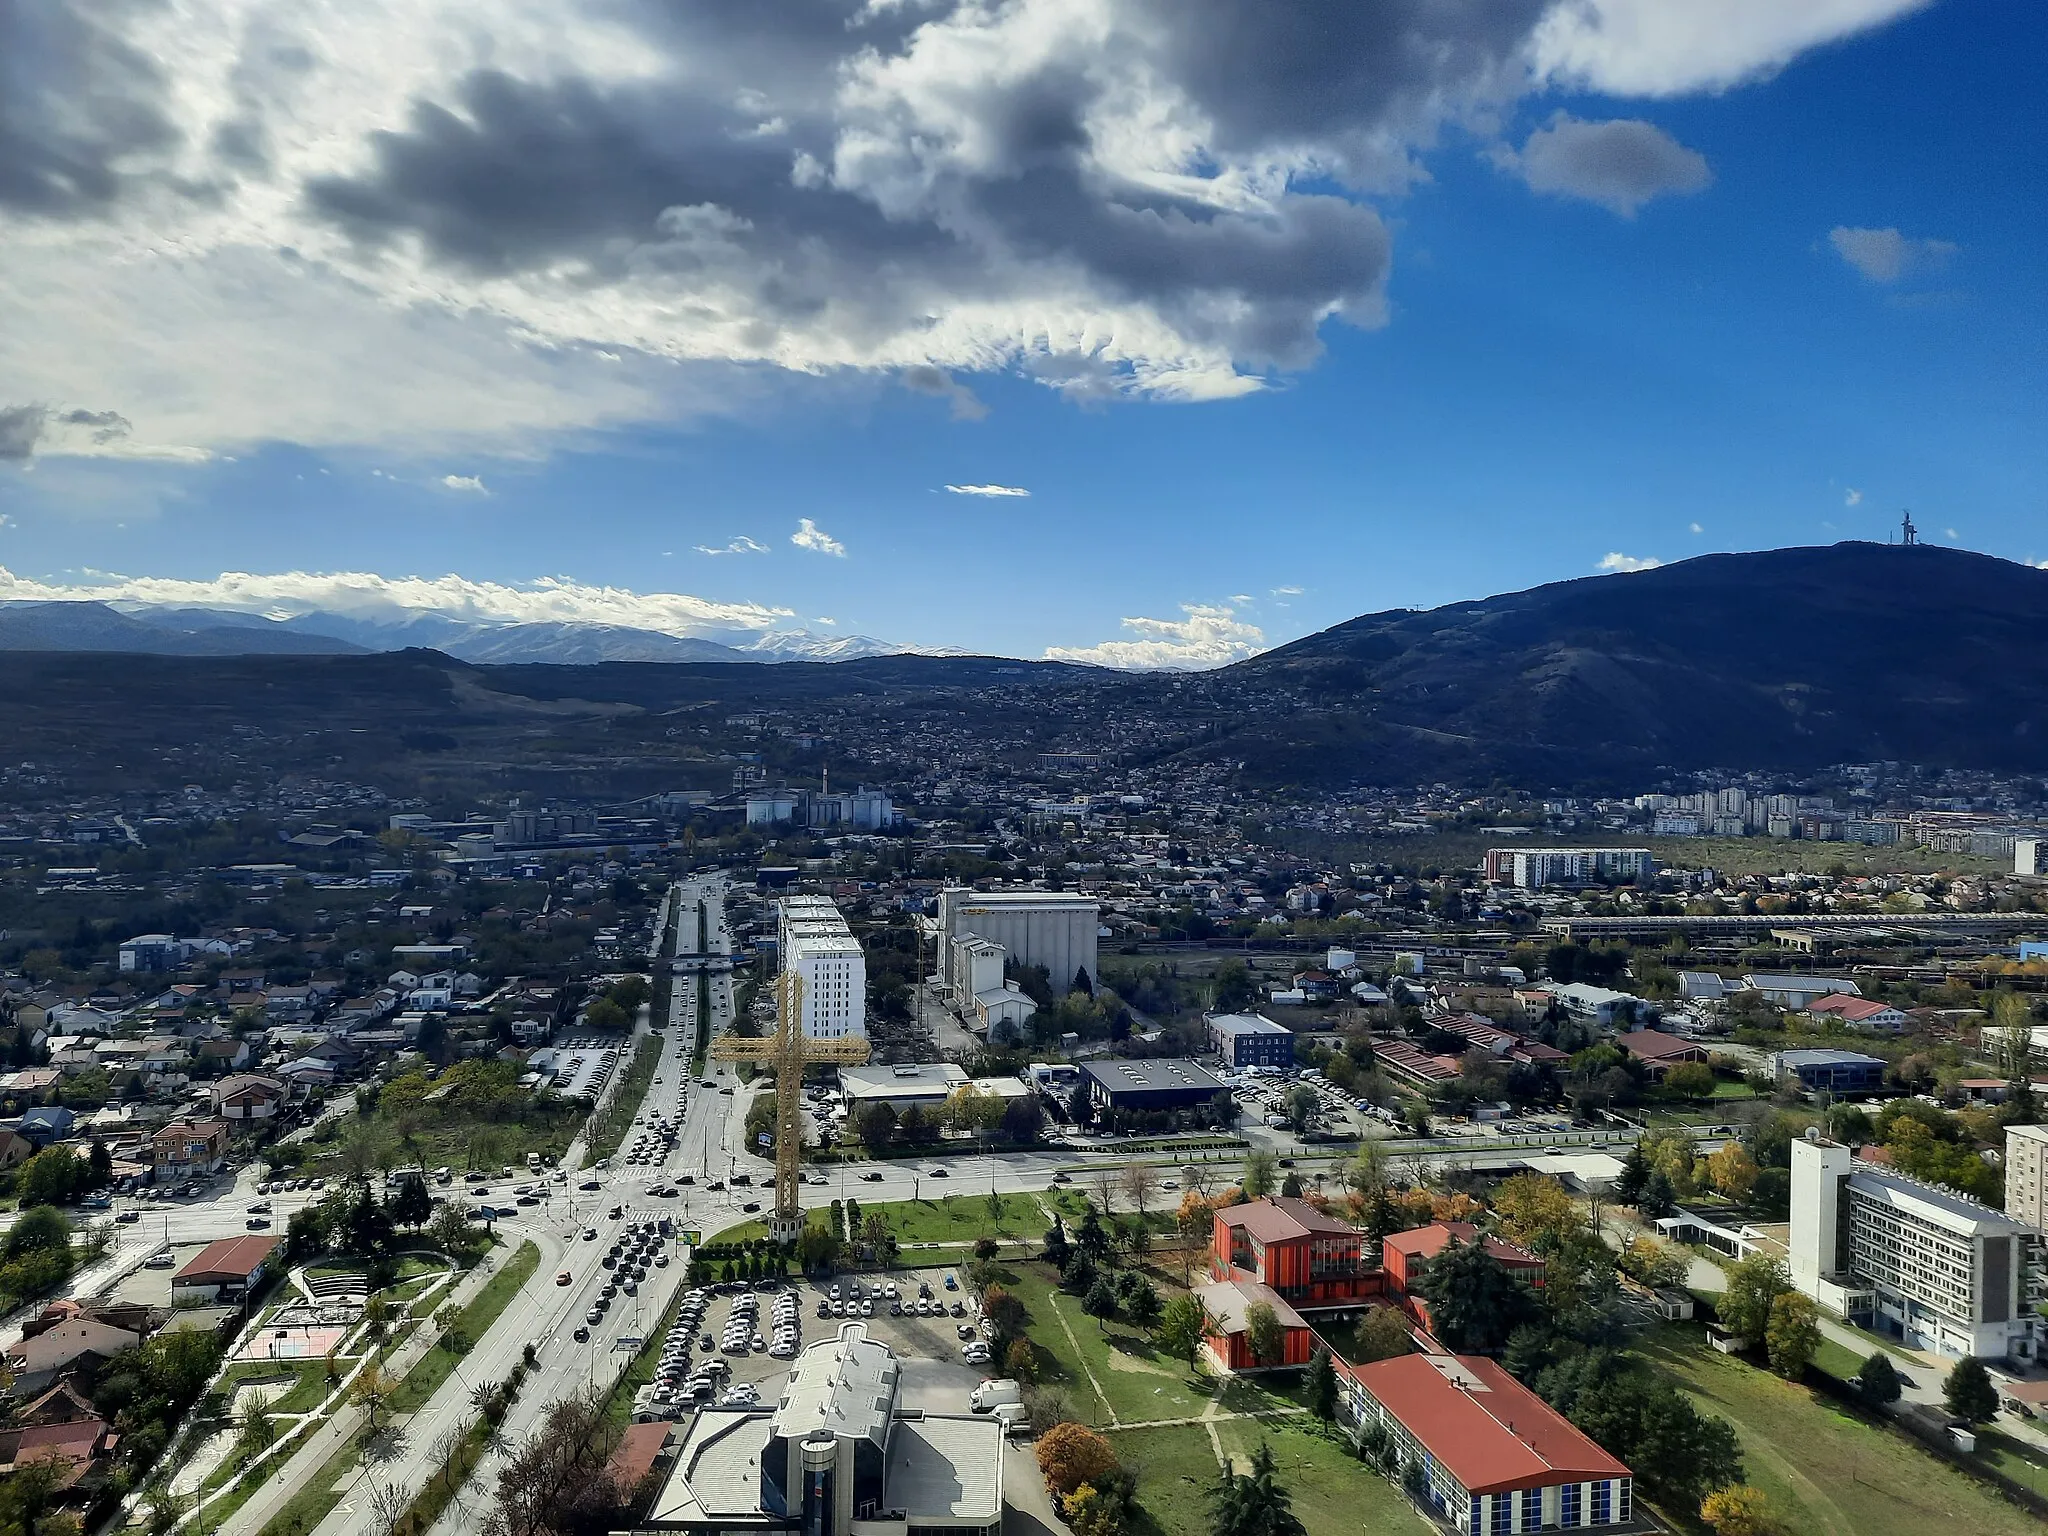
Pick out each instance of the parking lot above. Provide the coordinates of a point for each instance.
(744, 1326)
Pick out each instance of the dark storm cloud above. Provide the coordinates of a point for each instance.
(21, 428)
(76, 101)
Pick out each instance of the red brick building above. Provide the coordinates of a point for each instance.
(1404, 1255)
(1312, 1261)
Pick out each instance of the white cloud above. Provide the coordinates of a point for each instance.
(1286, 591)
(1657, 48)
(829, 623)
(390, 599)
(1953, 535)
(739, 546)
(1621, 562)
(1696, 528)
(1620, 164)
(469, 484)
(1852, 497)
(1885, 255)
(810, 536)
(496, 226)
(1241, 598)
(988, 490)
(1210, 636)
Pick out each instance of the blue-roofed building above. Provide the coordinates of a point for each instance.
(1836, 1071)
(1249, 1040)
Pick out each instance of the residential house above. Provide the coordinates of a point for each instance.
(1659, 1052)
(185, 1149)
(247, 1096)
(47, 1123)
(15, 1149)
(230, 1055)
(83, 1343)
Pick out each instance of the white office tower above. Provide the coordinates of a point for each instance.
(1915, 1261)
(1055, 929)
(816, 944)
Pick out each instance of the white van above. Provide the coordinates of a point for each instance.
(991, 1395)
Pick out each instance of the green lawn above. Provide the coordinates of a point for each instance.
(308, 1389)
(959, 1218)
(1826, 1471)
(2023, 1466)
(473, 1323)
(1333, 1493)
(1137, 1382)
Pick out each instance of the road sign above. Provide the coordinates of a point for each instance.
(693, 1238)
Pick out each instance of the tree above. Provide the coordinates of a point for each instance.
(37, 1231)
(559, 1482)
(1253, 1502)
(1365, 1172)
(1302, 1105)
(1968, 1392)
(1100, 1301)
(1057, 1248)
(1093, 1238)
(412, 1206)
(454, 1233)
(1260, 1171)
(54, 1176)
(1182, 1326)
(986, 1248)
(1264, 1335)
(1533, 1209)
(1738, 1510)
(1690, 1080)
(372, 1388)
(876, 1126)
(1654, 1262)
(1141, 1187)
(1140, 1298)
(1322, 1385)
(100, 1165)
(1020, 1360)
(1291, 1185)
(1792, 1334)
(1383, 1335)
(1475, 1302)
(1070, 1455)
(1733, 1171)
(1657, 1200)
(1877, 1381)
(1753, 1284)
(1635, 1173)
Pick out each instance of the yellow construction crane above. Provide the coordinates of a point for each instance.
(788, 1051)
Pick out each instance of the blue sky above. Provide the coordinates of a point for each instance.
(1827, 307)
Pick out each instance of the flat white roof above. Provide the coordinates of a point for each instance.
(1944, 1207)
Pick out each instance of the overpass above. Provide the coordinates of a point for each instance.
(1928, 924)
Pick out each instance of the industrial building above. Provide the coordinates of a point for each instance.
(838, 1453)
(1154, 1084)
(973, 971)
(1916, 1261)
(1053, 929)
(927, 1085)
(1835, 1071)
(1250, 1040)
(813, 940)
(1495, 1457)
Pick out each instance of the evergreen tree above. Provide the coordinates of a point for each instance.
(1094, 1237)
(1322, 1385)
(1968, 1392)
(1877, 1383)
(1253, 1503)
(1475, 1302)
(412, 1206)
(1656, 1200)
(1057, 1248)
(1634, 1177)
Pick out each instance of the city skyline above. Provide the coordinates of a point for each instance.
(1144, 363)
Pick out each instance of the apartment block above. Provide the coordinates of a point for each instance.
(2026, 1175)
(816, 944)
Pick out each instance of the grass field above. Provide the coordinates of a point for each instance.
(1333, 1493)
(2025, 1468)
(959, 1218)
(1136, 1382)
(1824, 1470)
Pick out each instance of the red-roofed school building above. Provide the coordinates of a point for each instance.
(1496, 1458)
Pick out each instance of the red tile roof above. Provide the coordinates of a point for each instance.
(639, 1448)
(1655, 1045)
(1427, 1242)
(1488, 1430)
(230, 1259)
(1276, 1218)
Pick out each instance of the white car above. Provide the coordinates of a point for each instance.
(785, 1349)
(975, 1354)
